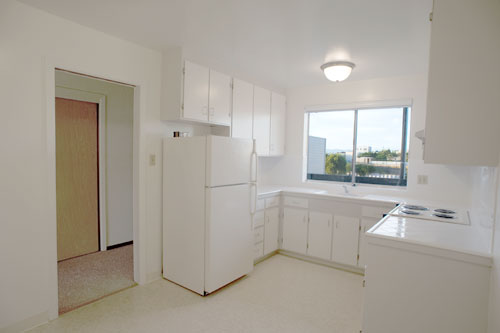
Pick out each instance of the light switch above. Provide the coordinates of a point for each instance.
(422, 179)
(152, 159)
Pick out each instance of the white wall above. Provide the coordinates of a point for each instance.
(28, 39)
(118, 159)
(448, 184)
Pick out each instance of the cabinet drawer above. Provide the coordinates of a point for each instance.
(296, 202)
(272, 202)
(376, 212)
(261, 204)
(258, 219)
(258, 250)
(258, 235)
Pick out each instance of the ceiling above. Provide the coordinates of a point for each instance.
(280, 42)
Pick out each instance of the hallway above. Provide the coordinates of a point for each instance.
(87, 278)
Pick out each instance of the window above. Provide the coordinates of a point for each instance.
(367, 146)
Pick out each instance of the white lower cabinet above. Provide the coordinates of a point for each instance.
(320, 235)
(366, 223)
(266, 226)
(345, 240)
(258, 250)
(271, 230)
(312, 228)
(295, 230)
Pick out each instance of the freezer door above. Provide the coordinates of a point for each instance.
(228, 235)
(230, 161)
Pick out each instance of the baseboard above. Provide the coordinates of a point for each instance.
(27, 323)
(119, 245)
(347, 268)
(267, 256)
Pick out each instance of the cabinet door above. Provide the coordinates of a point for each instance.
(219, 104)
(271, 232)
(464, 81)
(196, 83)
(366, 223)
(345, 240)
(320, 235)
(261, 119)
(242, 125)
(295, 230)
(277, 136)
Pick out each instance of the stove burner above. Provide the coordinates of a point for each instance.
(444, 211)
(444, 216)
(415, 207)
(409, 212)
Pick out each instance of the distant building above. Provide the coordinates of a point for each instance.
(316, 155)
(363, 149)
(364, 160)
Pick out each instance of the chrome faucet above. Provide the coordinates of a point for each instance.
(345, 189)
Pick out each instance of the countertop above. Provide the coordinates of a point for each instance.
(472, 239)
(323, 194)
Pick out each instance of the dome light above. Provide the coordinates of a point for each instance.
(337, 71)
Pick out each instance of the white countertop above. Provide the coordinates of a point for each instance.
(322, 194)
(471, 239)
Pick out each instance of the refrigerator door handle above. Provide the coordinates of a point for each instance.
(253, 199)
(254, 164)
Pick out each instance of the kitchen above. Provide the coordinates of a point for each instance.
(448, 72)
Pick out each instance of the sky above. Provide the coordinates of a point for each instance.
(378, 128)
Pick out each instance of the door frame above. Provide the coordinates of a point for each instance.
(100, 71)
(100, 100)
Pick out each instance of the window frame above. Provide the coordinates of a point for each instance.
(406, 107)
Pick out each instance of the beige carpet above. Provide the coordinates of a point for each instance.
(88, 278)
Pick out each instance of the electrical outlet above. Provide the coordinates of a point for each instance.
(422, 179)
(152, 159)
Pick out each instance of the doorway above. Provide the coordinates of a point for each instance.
(94, 191)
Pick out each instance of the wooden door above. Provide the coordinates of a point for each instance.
(277, 135)
(242, 126)
(345, 240)
(219, 102)
(261, 120)
(76, 178)
(295, 230)
(196, 85)
(271, 233)
(319, 235)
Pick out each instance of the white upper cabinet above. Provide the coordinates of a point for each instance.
(277, 136)
(219, 98)
(464, 81)
(194, 93)
(242, 125)
(320, 235)
(196, 89)
(261, 120)
(345, 240)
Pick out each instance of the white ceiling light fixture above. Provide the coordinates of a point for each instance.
(337, 71)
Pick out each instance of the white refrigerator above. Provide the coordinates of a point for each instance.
(209, 196)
